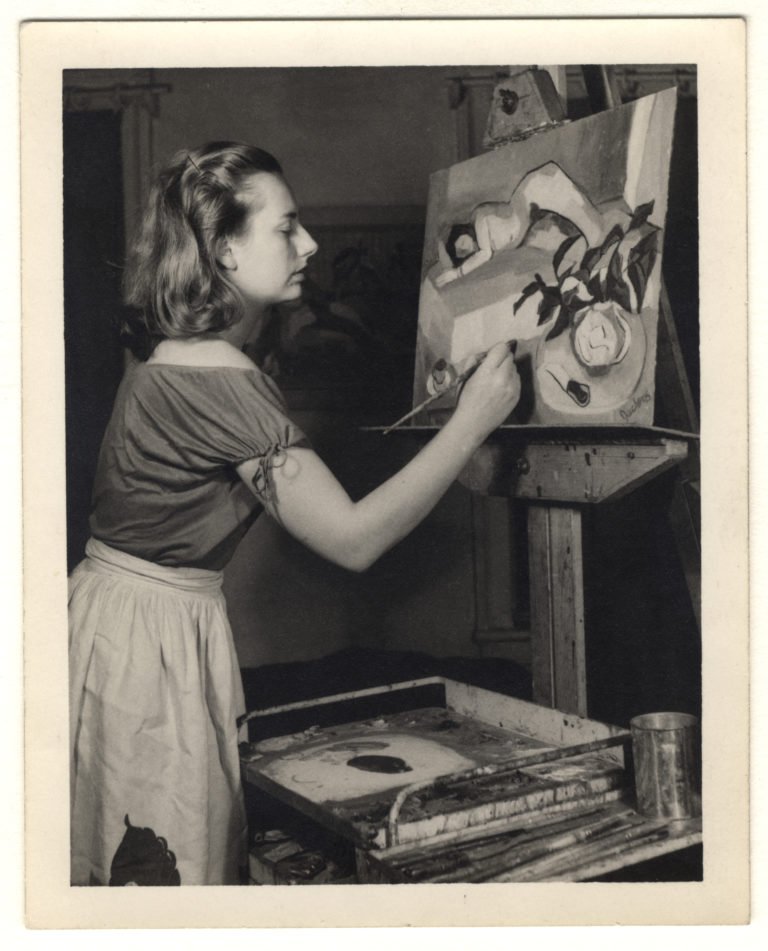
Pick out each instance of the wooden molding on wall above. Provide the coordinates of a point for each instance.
(132, 93)
(636, 81)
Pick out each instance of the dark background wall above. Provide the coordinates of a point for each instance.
(93, 250)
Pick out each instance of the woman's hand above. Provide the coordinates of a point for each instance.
(446, 277)
(492, 392)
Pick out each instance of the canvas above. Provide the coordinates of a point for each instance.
(553, 243)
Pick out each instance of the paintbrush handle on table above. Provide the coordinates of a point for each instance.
(522, 847)
(563, 863)
(459, 381)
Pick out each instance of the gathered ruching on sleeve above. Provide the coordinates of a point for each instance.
(262, 481)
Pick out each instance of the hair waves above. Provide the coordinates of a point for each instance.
(173, 282)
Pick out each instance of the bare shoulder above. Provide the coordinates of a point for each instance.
(209, 352)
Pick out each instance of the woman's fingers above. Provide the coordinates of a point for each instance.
(498, 353)
(492, 392)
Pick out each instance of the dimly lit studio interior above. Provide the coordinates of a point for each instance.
(489, 700)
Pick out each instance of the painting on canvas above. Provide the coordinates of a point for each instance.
(553, 243)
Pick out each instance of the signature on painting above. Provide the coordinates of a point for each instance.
(634, 404)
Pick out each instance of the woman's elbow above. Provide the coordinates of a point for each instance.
(356, 557)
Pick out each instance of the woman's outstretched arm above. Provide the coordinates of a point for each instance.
(311, 504)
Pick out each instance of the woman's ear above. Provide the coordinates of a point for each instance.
(225, 257)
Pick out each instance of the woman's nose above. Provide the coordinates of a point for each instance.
(306, 244)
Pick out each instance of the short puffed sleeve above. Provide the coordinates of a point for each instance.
(221, 416)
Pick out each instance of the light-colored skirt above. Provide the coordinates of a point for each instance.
(155, 692)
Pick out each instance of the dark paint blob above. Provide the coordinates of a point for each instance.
(578, 392)
(380, 764)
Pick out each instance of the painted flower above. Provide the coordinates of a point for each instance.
(601, 335)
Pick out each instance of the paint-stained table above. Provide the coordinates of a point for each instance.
(444, 782)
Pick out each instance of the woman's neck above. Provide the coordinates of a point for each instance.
(214, 349)
(249, 326)
(194, 351)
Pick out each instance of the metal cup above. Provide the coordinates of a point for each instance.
(665, 747)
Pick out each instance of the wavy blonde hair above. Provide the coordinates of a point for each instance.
(173, 281)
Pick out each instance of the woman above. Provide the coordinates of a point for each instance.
(497, 225)
(198, 445)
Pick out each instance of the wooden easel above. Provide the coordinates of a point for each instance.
(558, 478)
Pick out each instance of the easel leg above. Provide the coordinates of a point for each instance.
(557, 608)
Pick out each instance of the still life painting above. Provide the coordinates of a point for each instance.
(553, 244)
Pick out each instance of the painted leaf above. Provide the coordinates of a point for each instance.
(557, 260)
(615, 234)
(598, 278)
(573, 300)
(616, 287)
(572, 288)
(641, 261)
(622, 296)
(590, 258)
(550, 302)
(562, 323)
(638, 278)
(640, 215)
(645, 249)
(528, 291)
(546, 309)
(597, 284)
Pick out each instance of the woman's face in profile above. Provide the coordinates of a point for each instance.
(266, 262)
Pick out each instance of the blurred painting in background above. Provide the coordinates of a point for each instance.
(350, 339)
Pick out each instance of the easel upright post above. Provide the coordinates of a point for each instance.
(558, 655)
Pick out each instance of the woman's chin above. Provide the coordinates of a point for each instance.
(294, 288)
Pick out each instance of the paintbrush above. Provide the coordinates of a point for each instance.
(587, 864)
(495, 855)
(577, 855)
(429, 852)
(459, 381)
(530, 851)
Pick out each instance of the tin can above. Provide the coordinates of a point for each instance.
(666, 751)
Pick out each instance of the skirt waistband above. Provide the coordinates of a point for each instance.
(103, 559)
